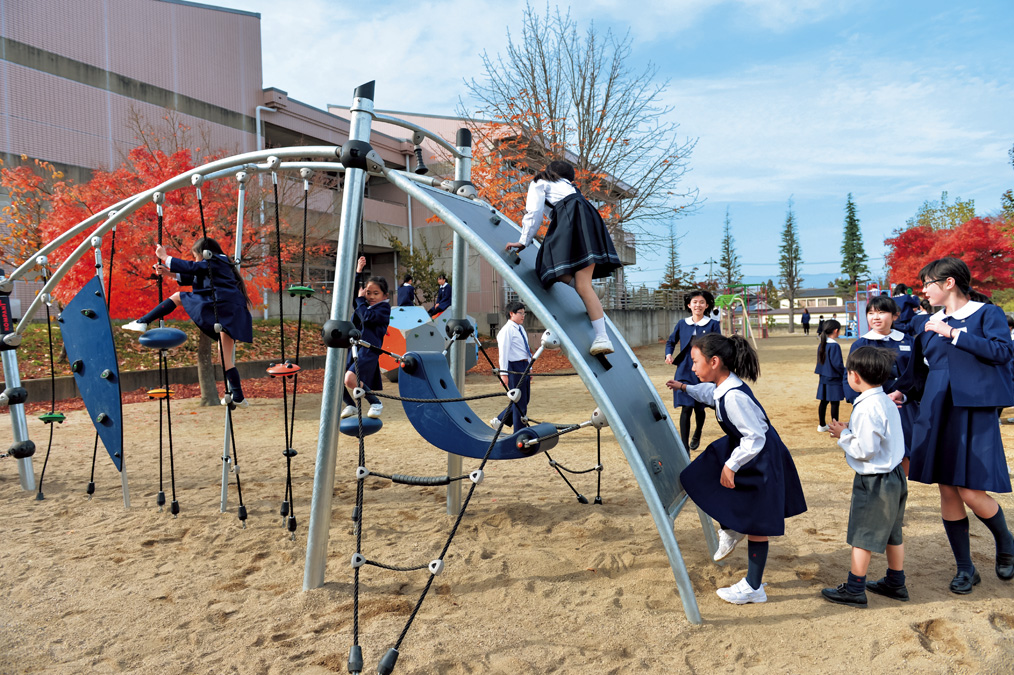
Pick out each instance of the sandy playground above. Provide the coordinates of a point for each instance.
(535, 581)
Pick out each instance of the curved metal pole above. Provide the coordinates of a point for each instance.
(455, 152)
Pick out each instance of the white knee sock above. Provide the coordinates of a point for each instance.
(600, 328)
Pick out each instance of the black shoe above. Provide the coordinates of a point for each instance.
(841, 596)
(695, 442)
(963, 581)
(881, 587)
(1005, 566)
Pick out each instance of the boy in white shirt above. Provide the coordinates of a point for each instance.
(874, 446)
(515, 354)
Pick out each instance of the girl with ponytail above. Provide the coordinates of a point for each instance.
(746, 480)
(831, 368)
(960, 371)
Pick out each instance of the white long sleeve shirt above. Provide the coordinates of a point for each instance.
(743, 414)
(539, 192)
(511, 343)
(874, 441)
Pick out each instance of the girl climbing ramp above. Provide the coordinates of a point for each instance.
(577, 247)
(218, 291)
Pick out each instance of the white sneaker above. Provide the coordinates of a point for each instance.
(349, 411)
(727, 540)
(136, 326)
(495, 423)
(742, 593)
(601, 345)
(823, 428)
(375, 411)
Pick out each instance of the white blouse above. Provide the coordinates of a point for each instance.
(539, 192)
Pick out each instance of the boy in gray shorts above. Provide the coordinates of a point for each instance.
(874, 446)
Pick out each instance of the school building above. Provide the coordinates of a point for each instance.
(78, 78)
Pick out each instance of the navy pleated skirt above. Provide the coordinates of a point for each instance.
(577, 237)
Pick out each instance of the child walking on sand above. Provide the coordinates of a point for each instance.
(831, 369)
(699, 303)
(874, 447)
(747, 481)
(577, 247)
(219, 295)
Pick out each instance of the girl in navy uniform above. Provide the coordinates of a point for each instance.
(881, 313)
(577, 247)
(960, 371)
(372, 317)
(219, 295)
(747, 481)
(831, 368)
(699, 304)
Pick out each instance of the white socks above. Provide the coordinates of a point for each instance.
(600, 328)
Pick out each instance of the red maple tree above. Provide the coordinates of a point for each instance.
(980, 242)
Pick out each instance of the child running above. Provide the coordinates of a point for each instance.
(831, 369)
(219, 295)
(881, 313)
(961, 372)
(874, 448)
(577, 247)
(747, 480)
(699, 303)
(372, 317)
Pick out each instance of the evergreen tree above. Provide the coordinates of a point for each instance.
(853, 255)
(729, 268)
(789, 264)
(672, 278)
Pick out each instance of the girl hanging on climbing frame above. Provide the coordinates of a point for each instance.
(577, 247)
(699, 303)
(214, 279)
(372, 317)
(747, 480)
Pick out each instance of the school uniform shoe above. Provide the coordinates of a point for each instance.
(348, 411)
(1005, 566)
(823, 428)
(881, 587)
(495, 423)
(841, 596)
(135, 326)
(742, 593)
(695, 441)
(963, 582)
(239, 404)
(727, 540)
(376, 409)
(601, 345)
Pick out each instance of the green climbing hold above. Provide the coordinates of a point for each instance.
(301, 291)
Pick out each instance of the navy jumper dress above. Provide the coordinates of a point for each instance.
(831, 373)
(956, 439)
(200, 303)
(684, 334)
(372, 322)
(767, 487)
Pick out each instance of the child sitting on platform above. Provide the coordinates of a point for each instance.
(372, 317)
(219, 295)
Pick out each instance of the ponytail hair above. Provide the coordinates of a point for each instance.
(734, 351)
(209, 244)
(830, 326)
(556, 170)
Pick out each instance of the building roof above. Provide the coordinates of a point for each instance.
(816, 293)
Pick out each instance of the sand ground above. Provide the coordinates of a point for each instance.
(535, 581)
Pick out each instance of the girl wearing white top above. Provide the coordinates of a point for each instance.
(577, 247)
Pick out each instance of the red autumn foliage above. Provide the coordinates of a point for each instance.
(980, 242)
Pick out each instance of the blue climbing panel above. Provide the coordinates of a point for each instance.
(88, 337)
(454, 427)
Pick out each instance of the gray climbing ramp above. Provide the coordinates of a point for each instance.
(618, 383)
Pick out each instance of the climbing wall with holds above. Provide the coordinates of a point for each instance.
(88, 337)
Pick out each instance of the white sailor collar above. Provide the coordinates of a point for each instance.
(705, 320)
(731, 382)
(831, 341)
(895, 335)
(965, 311)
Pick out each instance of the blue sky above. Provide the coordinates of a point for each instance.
(894, 102)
